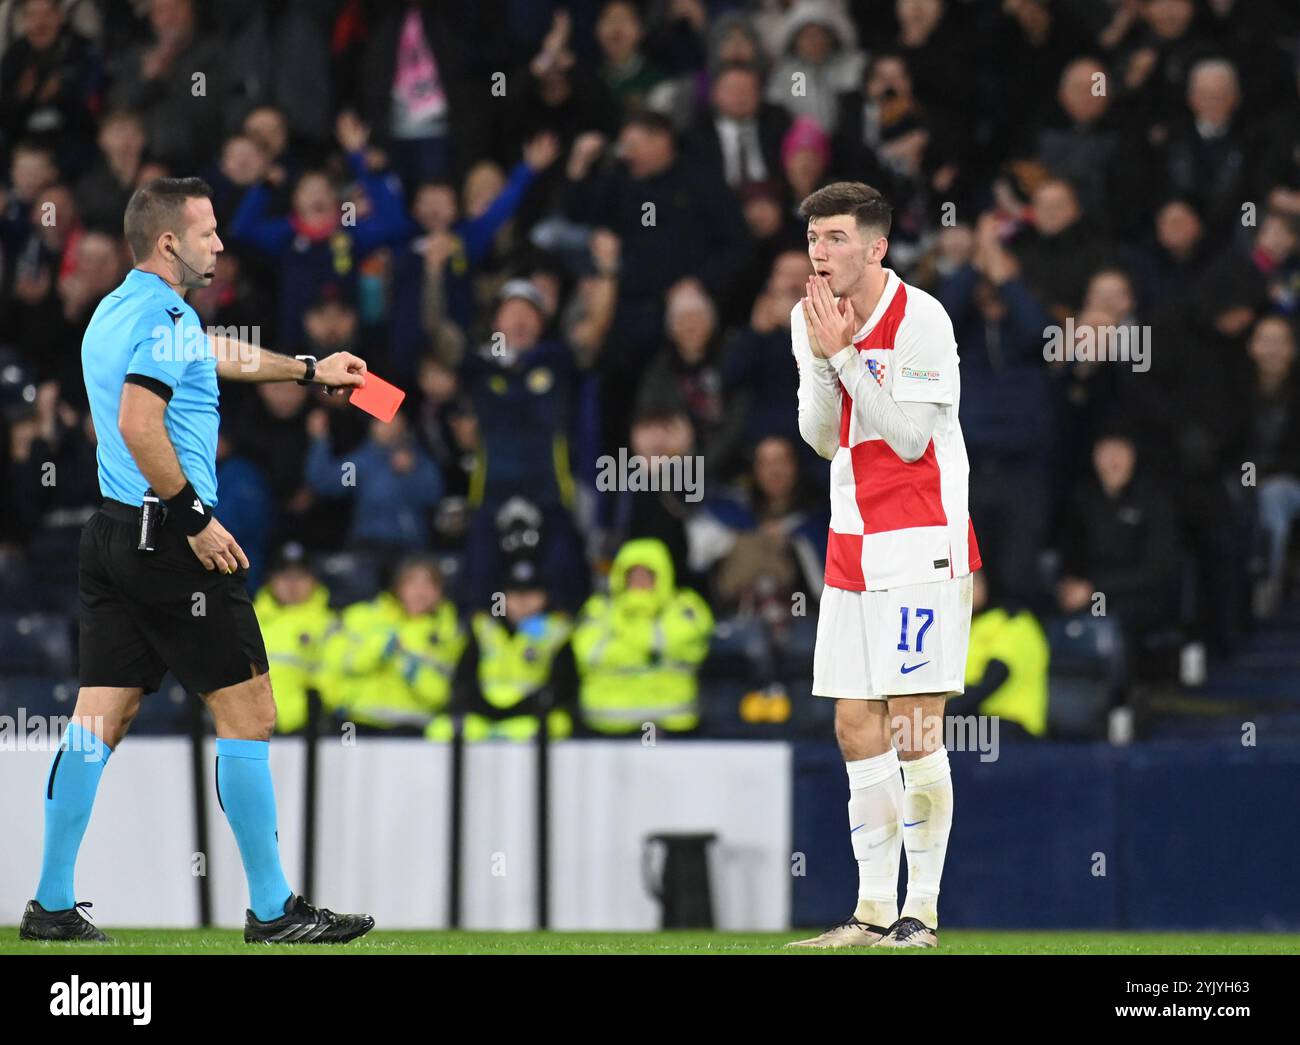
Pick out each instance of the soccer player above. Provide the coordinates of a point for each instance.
(151, 377)
(878, 397)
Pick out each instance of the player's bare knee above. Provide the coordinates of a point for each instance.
(859, 729)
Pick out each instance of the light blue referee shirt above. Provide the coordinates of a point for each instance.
(144, 328)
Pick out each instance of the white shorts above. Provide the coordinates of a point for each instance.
(877, 644)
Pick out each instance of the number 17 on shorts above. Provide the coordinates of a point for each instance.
(920, 638)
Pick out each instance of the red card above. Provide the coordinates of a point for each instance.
(377, 397)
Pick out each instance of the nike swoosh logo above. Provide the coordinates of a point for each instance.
(913, 824)
(905, 670)
(858, 828)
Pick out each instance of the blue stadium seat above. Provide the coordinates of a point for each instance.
(1085, 673)
(48, 695)
(349, 576)
(35, 644)
(739, 649)
(165, 712)
(54, 553)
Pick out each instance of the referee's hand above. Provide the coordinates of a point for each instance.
(217, 550)
(341, 370)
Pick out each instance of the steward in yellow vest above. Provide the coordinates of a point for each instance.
(390, 664)
(1006, 666)
(293, 611)
(515, 667)
(638, 648)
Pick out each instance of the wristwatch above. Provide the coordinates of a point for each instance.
(309, 377)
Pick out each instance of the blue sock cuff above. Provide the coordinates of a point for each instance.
(79, 740)
(259, 749)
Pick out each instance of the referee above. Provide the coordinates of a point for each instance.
(163, 585)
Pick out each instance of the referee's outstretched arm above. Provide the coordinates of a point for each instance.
(242, 361)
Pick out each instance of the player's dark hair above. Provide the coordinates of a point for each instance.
(157, 207)
(869, 209)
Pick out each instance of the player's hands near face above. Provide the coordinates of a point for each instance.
(341, 370)
(217, 550)
(832, 323)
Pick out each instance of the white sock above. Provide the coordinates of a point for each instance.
(927, 807)
(875, 829)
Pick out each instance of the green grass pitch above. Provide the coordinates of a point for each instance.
(230, 941)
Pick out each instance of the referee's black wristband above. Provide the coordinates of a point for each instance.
(189, 512)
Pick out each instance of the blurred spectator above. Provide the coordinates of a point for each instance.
(523, 392)
(1168, 266)
(1060, 252)
(392, 482)
(50, 452)
(686, 376)
(696, 230)
(517, 666)
(98, 266)
(269, 427)
(414, 89)
(390, 664)
(442, 403)
(1006, 666)
(160, 80)
(638, 648)
(740, 134)
(1210, 155)
(434, 294)
(50, 81)
(321, 242)
(294, 614)
(103, 192)
(1006, 406)
(32, 170)
(758, 375)
(1274, 449)
(1082, 148)
(1121, 544)
(941, 62)
(1038, 39)
(661, 489)
(818, 59)
(775, 547)
(628, 74)
(1154, 57)
(805, 156)
(562, 96)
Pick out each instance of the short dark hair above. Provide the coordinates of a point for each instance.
(650, 121)
(155, 208)
(866, 205)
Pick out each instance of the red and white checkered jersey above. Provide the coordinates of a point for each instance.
(893, 522)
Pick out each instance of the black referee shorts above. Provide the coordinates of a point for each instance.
(145, 612)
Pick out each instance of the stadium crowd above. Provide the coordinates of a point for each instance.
(569, 230)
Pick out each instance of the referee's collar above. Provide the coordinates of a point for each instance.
(146, 280)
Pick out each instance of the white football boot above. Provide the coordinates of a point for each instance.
(909, 932)
(851, 933)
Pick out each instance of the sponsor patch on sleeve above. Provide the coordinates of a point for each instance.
(913, 374)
